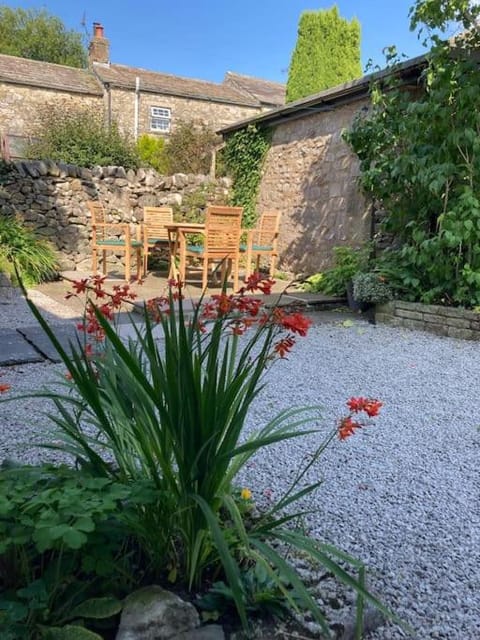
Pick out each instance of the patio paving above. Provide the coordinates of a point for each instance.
(28, 344)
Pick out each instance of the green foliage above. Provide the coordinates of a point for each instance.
(35, 34)
(189, 148)
(371, 287)
(63, 537)
(334, 281)
(34, 258)
(420, 157)
(187, 447)
(79, 136)
(326, 54)
(262, 594)
(152, 153)
(244, 155)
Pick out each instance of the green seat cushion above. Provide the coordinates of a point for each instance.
(195, 248)
(155, 240)
(118, 243)
(256, 247)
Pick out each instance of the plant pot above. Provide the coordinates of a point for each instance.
(356, 305)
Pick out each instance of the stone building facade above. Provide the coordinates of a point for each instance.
(140, 101)
(52, 199)
(310, 174)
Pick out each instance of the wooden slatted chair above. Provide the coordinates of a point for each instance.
(262, 242)
(112, 236)
(154, 231)
(223, 227)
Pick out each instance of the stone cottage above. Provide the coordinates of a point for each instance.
(310, 174)
(139, 100)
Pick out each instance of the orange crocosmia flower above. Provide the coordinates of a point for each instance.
(372, 407)
(4, 388)
(68, 376)
(297, 323)
(80, 286)
(347, 427)
(284, 346)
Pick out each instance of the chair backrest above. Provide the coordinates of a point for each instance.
(155, 219)
(267, 230)
(97, 211)
(223, 228)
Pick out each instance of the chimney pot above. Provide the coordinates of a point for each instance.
(99, 47)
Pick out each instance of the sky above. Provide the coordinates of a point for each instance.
(206, 39)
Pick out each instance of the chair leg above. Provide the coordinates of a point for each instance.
(273, 262)
(94, 262)
(127, 265)
(205, 274)
(235, 267)
(104, 262)
(139, 263)
(145, 261)
(257, 264)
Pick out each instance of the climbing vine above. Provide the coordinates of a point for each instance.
(244, 154)
(419, 151)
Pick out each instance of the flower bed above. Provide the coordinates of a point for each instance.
(444, 321)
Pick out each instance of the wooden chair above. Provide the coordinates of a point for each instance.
(154, 231)
(112, 236)
(223, 228)
(262, 242)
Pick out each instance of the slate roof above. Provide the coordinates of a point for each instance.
(123, 76)
(37, 73)
(267, 92)
(408, 72)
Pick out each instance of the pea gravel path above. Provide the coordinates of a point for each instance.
(403, 494)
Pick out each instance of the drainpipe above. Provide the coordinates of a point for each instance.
(137, 100)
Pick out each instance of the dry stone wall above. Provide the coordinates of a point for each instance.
(52, 199)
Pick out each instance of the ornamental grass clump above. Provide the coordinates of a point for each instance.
(168, 408)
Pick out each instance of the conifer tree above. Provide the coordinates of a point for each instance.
(326, 54)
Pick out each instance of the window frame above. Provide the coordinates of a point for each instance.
(159, 115)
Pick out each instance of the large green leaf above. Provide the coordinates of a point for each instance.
(70, 632)
(97, 608)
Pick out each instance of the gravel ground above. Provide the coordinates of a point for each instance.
(402, 495)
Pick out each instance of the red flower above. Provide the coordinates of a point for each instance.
(371, 406)
(284, 346)
(256, 282)
(4, 387)
(80, 286)
(297, 323)
(347, 427)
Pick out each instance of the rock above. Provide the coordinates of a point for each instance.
(152, 613)
(208, 632)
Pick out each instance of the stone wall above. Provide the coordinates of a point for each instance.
(444, 321)
(52, 199)
(21, 106)
(214, 114)
(310, 176)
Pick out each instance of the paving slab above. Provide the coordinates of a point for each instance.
(36, 336)
(14, 349)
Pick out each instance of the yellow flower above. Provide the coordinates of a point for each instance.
(245, 494)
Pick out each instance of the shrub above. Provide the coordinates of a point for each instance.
(79, 136)
(63, 539)
(190, 147)
(170, 414)
(371, 287)
(334, 281)
(152, 153)
(33, 257)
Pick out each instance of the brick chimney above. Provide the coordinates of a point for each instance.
(99, 47)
